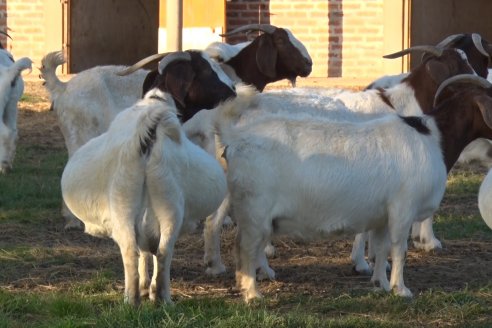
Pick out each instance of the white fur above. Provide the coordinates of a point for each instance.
(86, 105)
(11, 89)
(480, 151)
(387, 81)
(332, 104)
(485, 199)
(328, 181)
(143, 199)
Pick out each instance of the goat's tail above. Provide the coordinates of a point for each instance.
(230, 112)
(157, 121)
(48, 72)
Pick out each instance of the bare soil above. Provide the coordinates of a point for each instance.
(320, 268)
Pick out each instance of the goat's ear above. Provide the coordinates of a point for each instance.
(149, 81)
(484, 103)
(178, 81)
(266, 57)
(437, 71)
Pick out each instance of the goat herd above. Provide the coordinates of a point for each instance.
(147, 163)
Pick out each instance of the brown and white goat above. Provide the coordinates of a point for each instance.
(272, 56)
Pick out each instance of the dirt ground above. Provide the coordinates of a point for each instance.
(312, 268)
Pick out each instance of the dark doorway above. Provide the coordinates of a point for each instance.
(434, 20)
(104, 32)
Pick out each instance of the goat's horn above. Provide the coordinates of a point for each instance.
(431, 49)
(142, 63)
(267, 28)
(449, 40)
(179, 55)
(473, 79)
(5, 33)
(477, 41)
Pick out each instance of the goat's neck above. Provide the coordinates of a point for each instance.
(403, 100)
(459, 125)
(244, 64)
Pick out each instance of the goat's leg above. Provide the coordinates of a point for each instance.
(143, 272)
(423, 236)
(399, 229)
(248, 247)
(170, 221)
(211, 236)
(380, 246)
(358, 255)
(371, 253)
(264, 271)
(127, 242)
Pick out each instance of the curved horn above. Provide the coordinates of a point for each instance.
(179, 55)
(267, 28)
(473, 79)
(430, 49)
(5, 33)
(142, 63)
(449, 40)
(477, 41)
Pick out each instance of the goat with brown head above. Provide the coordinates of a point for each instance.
(272, 56)
(194, 80)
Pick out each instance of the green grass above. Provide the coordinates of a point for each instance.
(31, 98)
(30, 200)
(33, 187)
(373, 310)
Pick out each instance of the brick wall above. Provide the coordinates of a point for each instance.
(25, 21)
(344, 37)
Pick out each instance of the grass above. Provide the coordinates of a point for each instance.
(48, 280)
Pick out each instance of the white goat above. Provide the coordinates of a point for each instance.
(140, 183)
(407, 98)
(310, 177)
(11, 89)
(485, 199)
(87, 104)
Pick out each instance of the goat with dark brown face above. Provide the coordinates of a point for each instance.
(194, 81)
(474, 104)
(274, 55)
(436, 67)
(477, 50)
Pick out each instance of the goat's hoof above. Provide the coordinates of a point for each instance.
(381, 285)
(366, 271)
(433, 245)
(402, 292)
(265, 273)
(250, 297)
(215, 270)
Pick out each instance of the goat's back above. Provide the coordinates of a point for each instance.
(303, 169)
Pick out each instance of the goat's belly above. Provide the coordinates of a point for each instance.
(311, 225)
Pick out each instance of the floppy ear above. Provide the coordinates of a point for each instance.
(266, 56)
(178, 80)
(484, 103)
(149, 81)
(437, 70)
